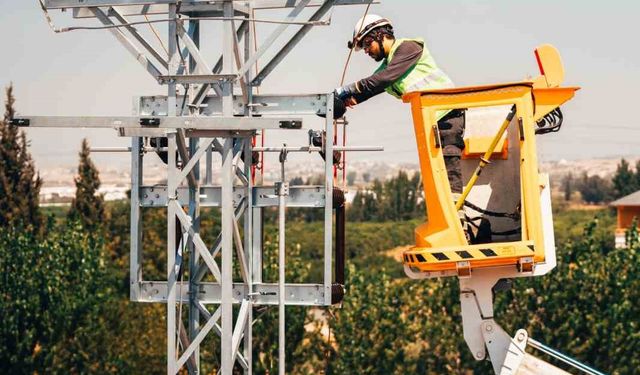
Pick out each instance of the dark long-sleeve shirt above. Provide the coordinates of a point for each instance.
(406, 56)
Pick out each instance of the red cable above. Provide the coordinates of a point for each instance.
(344, 156)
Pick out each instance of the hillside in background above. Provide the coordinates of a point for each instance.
(58, 182)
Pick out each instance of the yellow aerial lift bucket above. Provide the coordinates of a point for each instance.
(509, 186)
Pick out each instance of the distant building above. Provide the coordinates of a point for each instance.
(628, 208)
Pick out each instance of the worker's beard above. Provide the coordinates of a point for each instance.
(380, 56)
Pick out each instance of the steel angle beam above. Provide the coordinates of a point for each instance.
(134, 32)
(210, 196)
(184, 155)
(275, 4)
(197, 60)
(209, 293)
(196, 79)
(299, 196)
(191, 10)
(119, 34)
(202, 309)
(238, 331)
(160, 6)
(295, 13)
(160, 122)
(133, 10)
(196, 101)
(262, 105)
(204, 331)
(58, 4)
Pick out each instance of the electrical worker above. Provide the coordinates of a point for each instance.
(406, 66)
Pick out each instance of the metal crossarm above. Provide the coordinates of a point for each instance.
(261, 105)
(160, 122)
(264, 294)
(210, 196)
(155, 6)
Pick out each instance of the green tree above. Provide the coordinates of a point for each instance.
(378, 207)
(594, 189)
(88, 206)
(366, 177)
(351, 177)
(402, 195)
(399, 198)
(587, 307)
(364, 207)
(398, 326)
(51, 295)
(623, 180)
(296, 181)
(567, 186)
(19, 182)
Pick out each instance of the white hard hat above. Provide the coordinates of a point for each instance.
(364, 26)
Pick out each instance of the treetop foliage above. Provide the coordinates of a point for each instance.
(19, 182)
(396, 199)
(596, 189)
(88, 205)
(625, 181)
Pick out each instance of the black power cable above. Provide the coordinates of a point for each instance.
(550, 123)
(513, 216)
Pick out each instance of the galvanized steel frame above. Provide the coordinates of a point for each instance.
(211, 125)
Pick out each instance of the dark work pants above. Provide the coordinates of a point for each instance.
(451, 128)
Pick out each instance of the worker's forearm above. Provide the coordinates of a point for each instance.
(363, 96)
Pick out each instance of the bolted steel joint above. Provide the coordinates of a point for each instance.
(488, 328)
(521, 337)
(282, 189)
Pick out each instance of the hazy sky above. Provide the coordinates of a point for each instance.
(475, 42)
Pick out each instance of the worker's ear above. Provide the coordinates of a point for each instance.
(339, 109)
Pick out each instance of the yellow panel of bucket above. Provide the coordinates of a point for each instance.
(440, 242)
(475, 147)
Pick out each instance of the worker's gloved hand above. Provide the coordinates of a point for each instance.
(350, 102)
(345, 91)
(339, 108)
